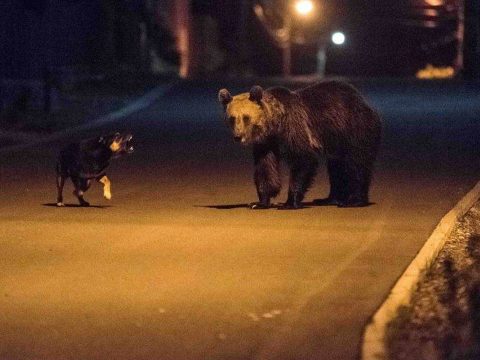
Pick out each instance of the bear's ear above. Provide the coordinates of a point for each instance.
(224, 97)
(256, 94)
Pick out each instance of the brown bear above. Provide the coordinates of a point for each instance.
(329, 118)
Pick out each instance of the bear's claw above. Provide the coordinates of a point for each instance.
(258, 206)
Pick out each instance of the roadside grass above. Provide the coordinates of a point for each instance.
(442, 320)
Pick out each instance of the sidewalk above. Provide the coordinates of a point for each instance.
(442, 319)
(73, 105)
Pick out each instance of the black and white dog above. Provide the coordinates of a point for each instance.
(87, 160)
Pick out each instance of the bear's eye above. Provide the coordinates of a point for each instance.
(246, 119)
(231, 120)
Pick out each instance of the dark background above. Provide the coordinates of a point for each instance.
(384, 38)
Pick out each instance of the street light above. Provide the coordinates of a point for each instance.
(283, 35)
(304, 7)
(338, 38)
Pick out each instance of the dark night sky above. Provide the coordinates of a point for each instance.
(57, 36)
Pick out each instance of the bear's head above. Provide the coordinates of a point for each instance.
(246, 114)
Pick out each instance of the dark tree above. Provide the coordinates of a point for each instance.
(471, 53)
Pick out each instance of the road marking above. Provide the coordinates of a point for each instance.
(273, 348)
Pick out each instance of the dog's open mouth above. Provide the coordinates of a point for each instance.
(129, 144)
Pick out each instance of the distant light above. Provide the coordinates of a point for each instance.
(434, 2)
(338, 38)
(304, 7)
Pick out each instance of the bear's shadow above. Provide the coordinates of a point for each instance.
(225, 207)
(77, 206)
(305, 205)
(247, 206)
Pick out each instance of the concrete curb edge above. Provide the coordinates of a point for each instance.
(373, 345)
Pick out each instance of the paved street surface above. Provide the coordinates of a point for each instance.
(176, 267)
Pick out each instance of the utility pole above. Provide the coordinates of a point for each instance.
(460, 36)
(283, 36)
(471, 48)
(287, 45)
(243, 34)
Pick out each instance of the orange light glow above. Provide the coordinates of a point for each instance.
(304, 7)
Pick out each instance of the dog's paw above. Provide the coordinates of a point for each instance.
(107, 195)
(60, 204)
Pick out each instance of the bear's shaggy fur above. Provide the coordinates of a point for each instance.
(329, 117)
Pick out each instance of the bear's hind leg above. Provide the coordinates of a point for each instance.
(302, 173)
(267, 175)
(338, 183)
(365, 179)
(359, 177)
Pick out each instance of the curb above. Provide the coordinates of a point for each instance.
(373, 344)
(134, 106)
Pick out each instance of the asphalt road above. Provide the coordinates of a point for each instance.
(176, 267)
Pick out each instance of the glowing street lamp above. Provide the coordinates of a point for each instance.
(283, 35)
(304, 7)
(338, 38)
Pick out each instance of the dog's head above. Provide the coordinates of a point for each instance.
(118, 143)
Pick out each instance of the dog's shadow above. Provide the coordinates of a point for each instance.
(77, 206)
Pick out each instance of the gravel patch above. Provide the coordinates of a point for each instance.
(442, 320)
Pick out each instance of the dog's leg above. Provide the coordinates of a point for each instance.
(60, 184)
(107, 193)
(78, 192)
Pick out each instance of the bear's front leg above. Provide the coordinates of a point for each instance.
(267, 174)
(302, 173)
